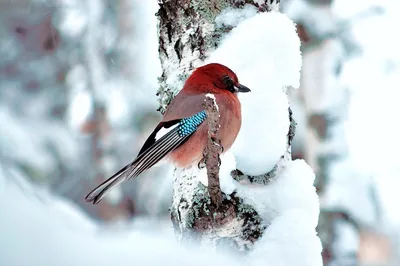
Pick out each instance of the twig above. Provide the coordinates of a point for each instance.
(212, 150)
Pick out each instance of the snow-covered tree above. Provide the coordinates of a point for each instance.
(263, 189)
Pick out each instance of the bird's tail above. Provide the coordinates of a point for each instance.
(97, 194)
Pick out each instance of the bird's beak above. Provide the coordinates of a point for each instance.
(241, 88)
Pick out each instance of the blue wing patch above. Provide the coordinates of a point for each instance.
(186, 126)
(189, 125)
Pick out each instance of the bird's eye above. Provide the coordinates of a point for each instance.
(230, 85)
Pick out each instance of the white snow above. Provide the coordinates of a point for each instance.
(228, 164)
(266, 61)
(293, 189)
(290, 206)
(289, 240)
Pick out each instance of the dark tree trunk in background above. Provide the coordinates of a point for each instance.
(326, 103)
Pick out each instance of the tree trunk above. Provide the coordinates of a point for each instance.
(187, 35)
(326, 104)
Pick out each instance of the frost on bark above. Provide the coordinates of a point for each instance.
(187, 36)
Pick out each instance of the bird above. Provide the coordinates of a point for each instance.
(181, 135)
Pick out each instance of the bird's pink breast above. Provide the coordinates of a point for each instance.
(230, 120)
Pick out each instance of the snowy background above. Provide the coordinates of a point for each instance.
(78, 82)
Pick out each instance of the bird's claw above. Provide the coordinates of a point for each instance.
(218, 143)
(202, 163)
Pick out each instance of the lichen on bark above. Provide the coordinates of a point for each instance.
(234, 225)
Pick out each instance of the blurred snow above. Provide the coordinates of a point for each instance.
(344, 247)
(39, 229)
(72, 19)
(319, 76)
(23, 139)
(318, 18)
(362, 184)
(373, 78)
(267, 62)
(340, 193)
(55, 232)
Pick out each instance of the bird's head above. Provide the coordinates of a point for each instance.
(220, 76)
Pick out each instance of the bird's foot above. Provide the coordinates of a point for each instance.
(221, 149)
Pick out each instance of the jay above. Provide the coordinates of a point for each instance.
(181, 136)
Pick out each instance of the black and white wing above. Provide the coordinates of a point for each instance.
(166, 137)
